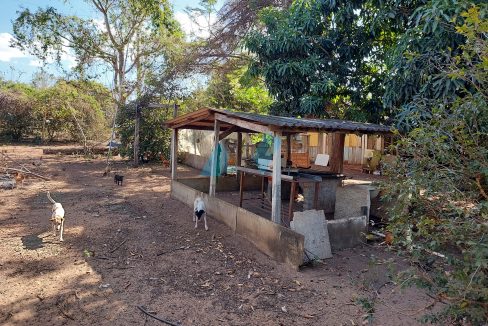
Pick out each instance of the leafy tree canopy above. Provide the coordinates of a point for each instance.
(430, 42)
(132, 35)
(326, 58)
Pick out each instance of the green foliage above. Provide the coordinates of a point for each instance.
(429, 43)
(67, 110)
(326, 58)
(16, 110)
(153, 138)
(74, 110)
(133, 38)
(439, 183)
(237, 90)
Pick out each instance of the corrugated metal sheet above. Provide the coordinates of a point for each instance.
(287, 124)
(325, 124)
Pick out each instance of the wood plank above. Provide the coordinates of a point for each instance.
(290, 206)
(244, 124)
(241, 191)
(239, 152)
(263, 173)
(215, 157)
(226, 133)
(337, 157)
(191, 121)
(288, 150)
(276, 196)
(174, 148)
(137, 125)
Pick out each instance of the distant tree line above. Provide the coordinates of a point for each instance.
(76, 111)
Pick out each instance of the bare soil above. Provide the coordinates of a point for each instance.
(132, 245)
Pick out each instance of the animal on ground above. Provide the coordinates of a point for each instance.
(106, 171)
(118, 179)
(165, 163)
(20, 177)
(57, 217)
(199, 212)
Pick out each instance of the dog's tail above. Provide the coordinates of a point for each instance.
(50, 199)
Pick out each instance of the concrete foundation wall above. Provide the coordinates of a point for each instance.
(225, 183)
(195, 161)
(347, 232)
(278, 242)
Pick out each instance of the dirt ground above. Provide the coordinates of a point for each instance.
(132, 245)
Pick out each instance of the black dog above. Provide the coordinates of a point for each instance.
(118, 179)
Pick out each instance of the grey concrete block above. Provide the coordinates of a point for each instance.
(347, 232)
(313, 226)
(326, 197)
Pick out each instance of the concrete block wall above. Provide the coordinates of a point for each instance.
(276, 241)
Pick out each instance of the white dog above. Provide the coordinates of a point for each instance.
(57, 217)
(199, 211)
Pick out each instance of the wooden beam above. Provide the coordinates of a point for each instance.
(276, 192)
(239, 149)
(239, 153)
(174, 147)
(292, 201)
(226, 133)
(191, 121)
(264, 173)
(244, 124)
(337, 157)
(174, 153)
(241, 189)
(288, 150)
(215, 157)
(137, 125)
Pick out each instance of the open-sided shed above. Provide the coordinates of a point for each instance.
(225, 122)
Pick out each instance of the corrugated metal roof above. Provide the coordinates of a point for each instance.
(285, 124)
(289, 122)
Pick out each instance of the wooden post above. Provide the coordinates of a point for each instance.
(337, 157)
(241, 189)
(215, 157)
(174, 147)
(136, 134)
(239, 152)
(364, 144)
(276, 198)
(292, 201)
(288, 150)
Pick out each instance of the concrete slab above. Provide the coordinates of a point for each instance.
(313, 225)
(347, 232)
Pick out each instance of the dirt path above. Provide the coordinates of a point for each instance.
(134, 245)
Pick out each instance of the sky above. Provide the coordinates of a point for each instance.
(18, 66)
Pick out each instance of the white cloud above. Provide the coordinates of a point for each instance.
(198, 29)
(6, 52)
(35, 63)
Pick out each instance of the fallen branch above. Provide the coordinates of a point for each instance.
(156, 317)
(31, 173)
(172, 250)
(20, 164)
(120, 245)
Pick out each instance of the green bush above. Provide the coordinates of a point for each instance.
(439, 189)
